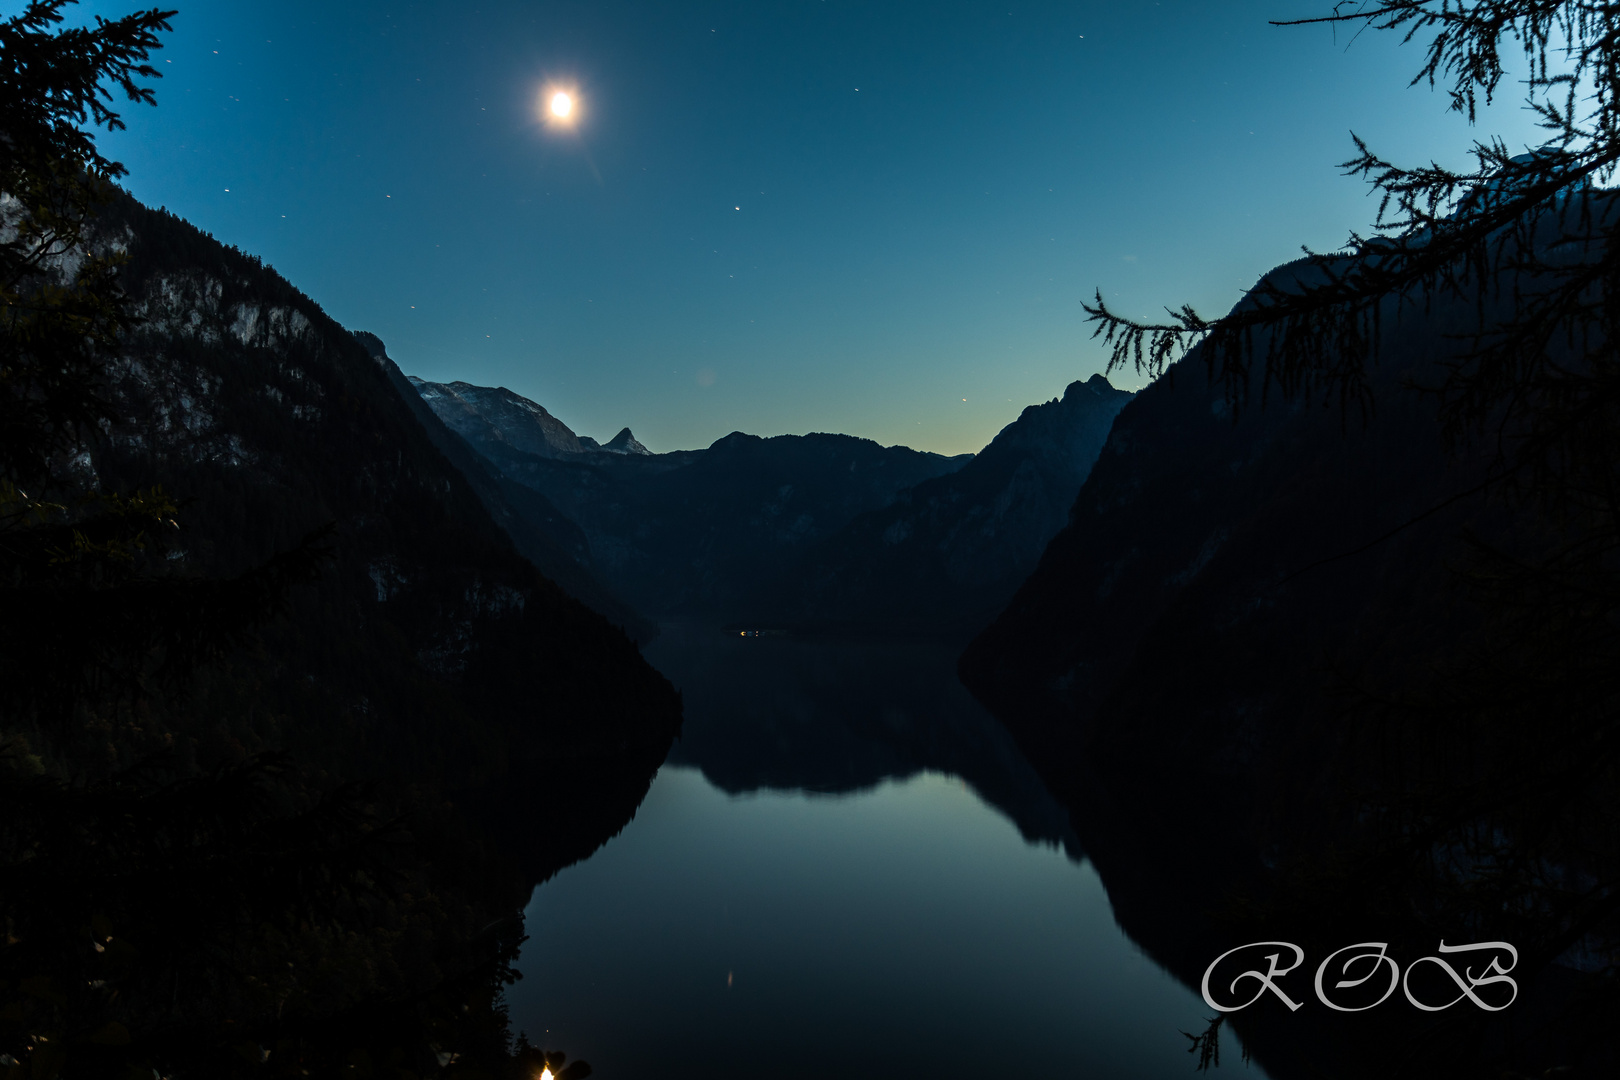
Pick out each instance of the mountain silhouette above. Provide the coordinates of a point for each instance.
(541, 532)
(431, 648)
(946, 555)
(693, 533)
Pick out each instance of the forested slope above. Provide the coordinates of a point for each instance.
(430, 648)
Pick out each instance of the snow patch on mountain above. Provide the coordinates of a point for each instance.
(493, 414)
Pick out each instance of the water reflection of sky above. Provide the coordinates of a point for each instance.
(906, 930)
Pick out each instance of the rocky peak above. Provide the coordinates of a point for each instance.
(625, 443)
(484, 415)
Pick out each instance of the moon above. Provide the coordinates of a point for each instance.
(560, 107)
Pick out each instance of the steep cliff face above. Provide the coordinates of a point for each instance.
(946, 555)
(431, 648)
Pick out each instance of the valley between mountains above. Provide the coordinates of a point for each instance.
(814, 533)
(1174, 612)
(360, 726)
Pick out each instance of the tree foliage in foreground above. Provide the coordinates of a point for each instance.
(86, 614)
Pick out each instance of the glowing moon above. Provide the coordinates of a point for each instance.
(559, 107)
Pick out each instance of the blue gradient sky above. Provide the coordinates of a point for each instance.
(816, 215)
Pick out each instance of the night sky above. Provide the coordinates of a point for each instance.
(816, 215)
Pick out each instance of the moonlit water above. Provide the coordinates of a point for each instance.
(904, 928)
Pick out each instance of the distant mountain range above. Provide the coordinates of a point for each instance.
(699, 533)
(814, 531)
(492, 418)
(946, 555)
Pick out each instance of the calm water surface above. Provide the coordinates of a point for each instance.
(874, 915)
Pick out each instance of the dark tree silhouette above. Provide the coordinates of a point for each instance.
(55, 324)
(85, 611)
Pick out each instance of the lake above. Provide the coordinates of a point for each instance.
(844, 866)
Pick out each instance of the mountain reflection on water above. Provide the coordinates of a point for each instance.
(845, 864)
(834, 716)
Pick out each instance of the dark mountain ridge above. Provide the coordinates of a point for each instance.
(1186, 663)
(299, 790)
(541, 533)
(431, 651)
(694, 533)
(701, 534)
(947, 554)
(816, 532)
(1238, 527)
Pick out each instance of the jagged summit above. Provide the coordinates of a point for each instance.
(625, 443)
(488, 416)
(495, 414)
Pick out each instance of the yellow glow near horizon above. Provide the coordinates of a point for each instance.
(562, 105)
